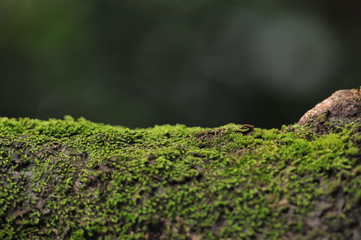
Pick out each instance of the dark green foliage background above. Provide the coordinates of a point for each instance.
(140, 63)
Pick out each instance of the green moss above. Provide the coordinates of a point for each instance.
(74, 179)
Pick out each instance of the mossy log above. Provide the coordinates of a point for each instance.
(74, 179)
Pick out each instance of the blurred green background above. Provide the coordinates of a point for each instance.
(197, 62)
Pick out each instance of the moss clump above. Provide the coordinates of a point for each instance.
(74, 179)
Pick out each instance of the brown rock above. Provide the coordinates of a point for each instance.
(341, 105)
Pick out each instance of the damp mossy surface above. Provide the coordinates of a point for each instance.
(75, 179)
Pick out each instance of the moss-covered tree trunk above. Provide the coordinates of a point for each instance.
(74, 179)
